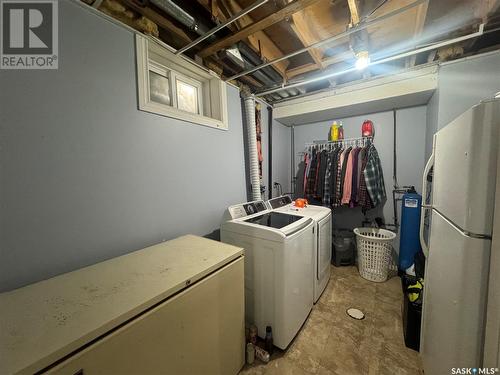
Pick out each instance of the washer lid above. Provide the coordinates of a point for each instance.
(274, 219)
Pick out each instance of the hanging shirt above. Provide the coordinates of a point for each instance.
(374, 177)
(311, 175)
(363, 196)
(326, 184)
(343, 172)
(318, 166)
(346, 194)
(357, 174)
(321, 174)
(354, 180)
(338, 178)
(306, 169)
(333, 174)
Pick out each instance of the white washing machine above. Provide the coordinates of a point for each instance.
(322, 216)
(278, 266)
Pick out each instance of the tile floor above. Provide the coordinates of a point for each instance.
(330, 342)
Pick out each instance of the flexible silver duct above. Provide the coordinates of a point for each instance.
(253, 156)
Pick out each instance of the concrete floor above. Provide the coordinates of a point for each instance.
(330, 342)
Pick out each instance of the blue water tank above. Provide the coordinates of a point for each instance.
(409, 243)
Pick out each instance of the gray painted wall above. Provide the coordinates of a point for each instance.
(462, 84)
(432, 122)
(411, 127)
(281, 156)
(265, 148)
(85, 176)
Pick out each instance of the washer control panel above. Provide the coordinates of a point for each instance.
(246, 209)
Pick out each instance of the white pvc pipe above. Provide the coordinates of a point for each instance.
(253, 156)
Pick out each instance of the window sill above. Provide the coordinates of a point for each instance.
(178, 114)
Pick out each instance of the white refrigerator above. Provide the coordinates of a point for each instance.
(460, 207)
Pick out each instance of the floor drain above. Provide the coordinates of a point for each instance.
(355, 313)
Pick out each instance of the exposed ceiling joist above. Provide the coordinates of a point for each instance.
(339, 57)
(250, 29)
(161, 21)
(353, 8)
(419, 27)
(259, 41)
(486, 7)
(302, 29)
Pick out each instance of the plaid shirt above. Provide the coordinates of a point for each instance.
(338, 179)
(311, 175)
(374, 177)
(326, 185)
(333, 173)
(363, 196)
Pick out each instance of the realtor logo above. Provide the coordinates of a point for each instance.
(29, 37)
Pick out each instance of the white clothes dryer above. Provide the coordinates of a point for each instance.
(322, 216)
(278, 266)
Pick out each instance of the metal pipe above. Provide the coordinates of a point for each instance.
(270, 149)
(352, 30)
(378, 62)
(221, 26)
(292, 160)
(176, 12)
(395, 161)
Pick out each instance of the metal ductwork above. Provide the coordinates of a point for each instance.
(253, 156)
(254, 59)
(175, 11)
(243, 57)
(240, 64)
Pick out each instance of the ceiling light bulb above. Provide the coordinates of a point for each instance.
(362, 60)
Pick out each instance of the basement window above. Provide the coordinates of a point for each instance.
(172, 86)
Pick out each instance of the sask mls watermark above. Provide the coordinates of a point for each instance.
(29, 37)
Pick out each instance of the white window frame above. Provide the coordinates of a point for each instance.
(160, 70)
(212, 91)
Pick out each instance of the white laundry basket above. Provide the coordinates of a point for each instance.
(374, 252)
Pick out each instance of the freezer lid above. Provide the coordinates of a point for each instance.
(465, 168)
(455, 287)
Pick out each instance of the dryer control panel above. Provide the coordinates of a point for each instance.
(279, 201)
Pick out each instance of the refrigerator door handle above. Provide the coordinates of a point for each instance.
(425, 206)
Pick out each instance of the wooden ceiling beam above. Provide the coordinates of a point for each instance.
(161, 21)
(353, 9)
(421, 15)
(259, 41)
(301, 28)
(218, 12)
(339, 57)
(486, 8)
(297, 71)
(254, 27)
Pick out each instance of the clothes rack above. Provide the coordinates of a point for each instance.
(346, 172)
(324, 145)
